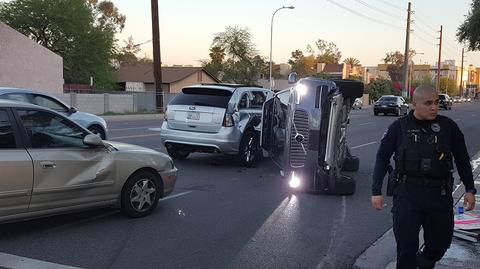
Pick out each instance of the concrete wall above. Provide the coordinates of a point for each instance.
(26, 64)
(102, 103)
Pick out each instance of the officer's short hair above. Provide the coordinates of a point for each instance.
(421, 90)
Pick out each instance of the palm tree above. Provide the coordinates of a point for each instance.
(352, 61)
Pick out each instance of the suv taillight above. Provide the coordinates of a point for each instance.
(227, 120)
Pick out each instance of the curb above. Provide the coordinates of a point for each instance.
(382, 253)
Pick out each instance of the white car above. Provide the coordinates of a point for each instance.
(51, 165)
(93, 123)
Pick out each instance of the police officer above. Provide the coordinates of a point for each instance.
(424, 144)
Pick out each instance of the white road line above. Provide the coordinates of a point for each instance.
(176, 195)
(366, 123)
(131, 128)
(363, 145)
(131, 136)
(18, 262)
(155, 129)
(457, 119)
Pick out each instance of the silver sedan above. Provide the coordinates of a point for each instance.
(51, 165)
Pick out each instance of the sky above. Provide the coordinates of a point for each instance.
(364, 29)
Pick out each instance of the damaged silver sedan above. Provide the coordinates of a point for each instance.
(51, 165)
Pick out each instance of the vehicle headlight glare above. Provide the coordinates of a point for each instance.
(294, 181)
(301, 89)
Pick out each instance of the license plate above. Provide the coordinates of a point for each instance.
(193, 116)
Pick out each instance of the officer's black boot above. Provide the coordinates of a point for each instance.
(424, 262)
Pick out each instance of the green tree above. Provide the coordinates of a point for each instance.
(215, 65)
(448, 86)
(469, 31)
(380, 87)
(297, 62)
(127, 53)
(242, 64)
(82, 32)
(327, 52)
(352, 61)
(394, 61)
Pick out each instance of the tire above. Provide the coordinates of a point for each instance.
(95, 129)
(375, 113)
(140, 195)
(249, 150)
(177, 154)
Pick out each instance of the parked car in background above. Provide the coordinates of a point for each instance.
(51, 165)
(457, 99)
(357, 104)
(445, 101)
(390, 104)
(93, 123)
(215, 118)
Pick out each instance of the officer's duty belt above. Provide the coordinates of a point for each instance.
(421, 181)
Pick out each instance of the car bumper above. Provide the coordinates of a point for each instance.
(169, 178)
(392, 109)
(227, 140)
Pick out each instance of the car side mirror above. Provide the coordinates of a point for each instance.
(72, 110)
(93, 140)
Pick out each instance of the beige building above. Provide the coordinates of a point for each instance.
(139, 77)
(26, 64)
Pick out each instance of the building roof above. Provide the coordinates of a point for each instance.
(144, 73)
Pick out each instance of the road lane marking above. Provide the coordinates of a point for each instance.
(155, 129)
(365, 123)
(18, 262)
(363, 145)
(176, 195)
(131, 136)
(457, 119)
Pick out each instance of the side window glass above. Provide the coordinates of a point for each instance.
(21, 97)
(258, 99)
(242, 104)
(47, 130)
(49, 103)
(284, 97)
(7, 138)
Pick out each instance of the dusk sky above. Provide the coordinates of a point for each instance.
(364, 29)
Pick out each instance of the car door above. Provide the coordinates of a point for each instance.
(16, 177)
(67, 172)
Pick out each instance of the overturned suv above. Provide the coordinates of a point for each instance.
(304, 131)
(215, 118)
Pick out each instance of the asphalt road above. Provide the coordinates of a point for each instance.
(225, 216)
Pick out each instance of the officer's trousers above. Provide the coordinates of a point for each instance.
(415, 207)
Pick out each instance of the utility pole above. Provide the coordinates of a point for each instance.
(157, 61)
(406, 58)
(439, 59)
(461, 74)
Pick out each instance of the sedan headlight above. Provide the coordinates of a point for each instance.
(294, 181)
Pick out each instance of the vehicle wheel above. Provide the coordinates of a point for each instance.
(249, 151)
(351, 162)
(95, 129)
(140, 195)
(375, 113)
(177, 154)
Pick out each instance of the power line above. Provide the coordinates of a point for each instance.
(364, 16)
(392, 5)
(425, 32)
(423, 39)
(380, 10)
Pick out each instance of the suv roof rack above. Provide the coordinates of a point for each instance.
(231, 85)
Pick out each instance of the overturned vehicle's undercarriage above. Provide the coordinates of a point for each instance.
(304, 131)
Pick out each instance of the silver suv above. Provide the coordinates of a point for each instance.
(215, 118)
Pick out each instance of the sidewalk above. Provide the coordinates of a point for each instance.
(120, 117)
(461, 254)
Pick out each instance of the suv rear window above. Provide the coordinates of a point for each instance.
(202, 97)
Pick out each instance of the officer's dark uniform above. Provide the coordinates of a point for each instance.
(423, 163)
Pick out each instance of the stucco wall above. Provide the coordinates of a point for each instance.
(26, 64)
(119, 103)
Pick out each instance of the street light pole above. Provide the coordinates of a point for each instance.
(271, 36)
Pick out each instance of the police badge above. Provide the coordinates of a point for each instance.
(435, 127)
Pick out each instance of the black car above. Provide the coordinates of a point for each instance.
(390, 104)
(445, 101)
